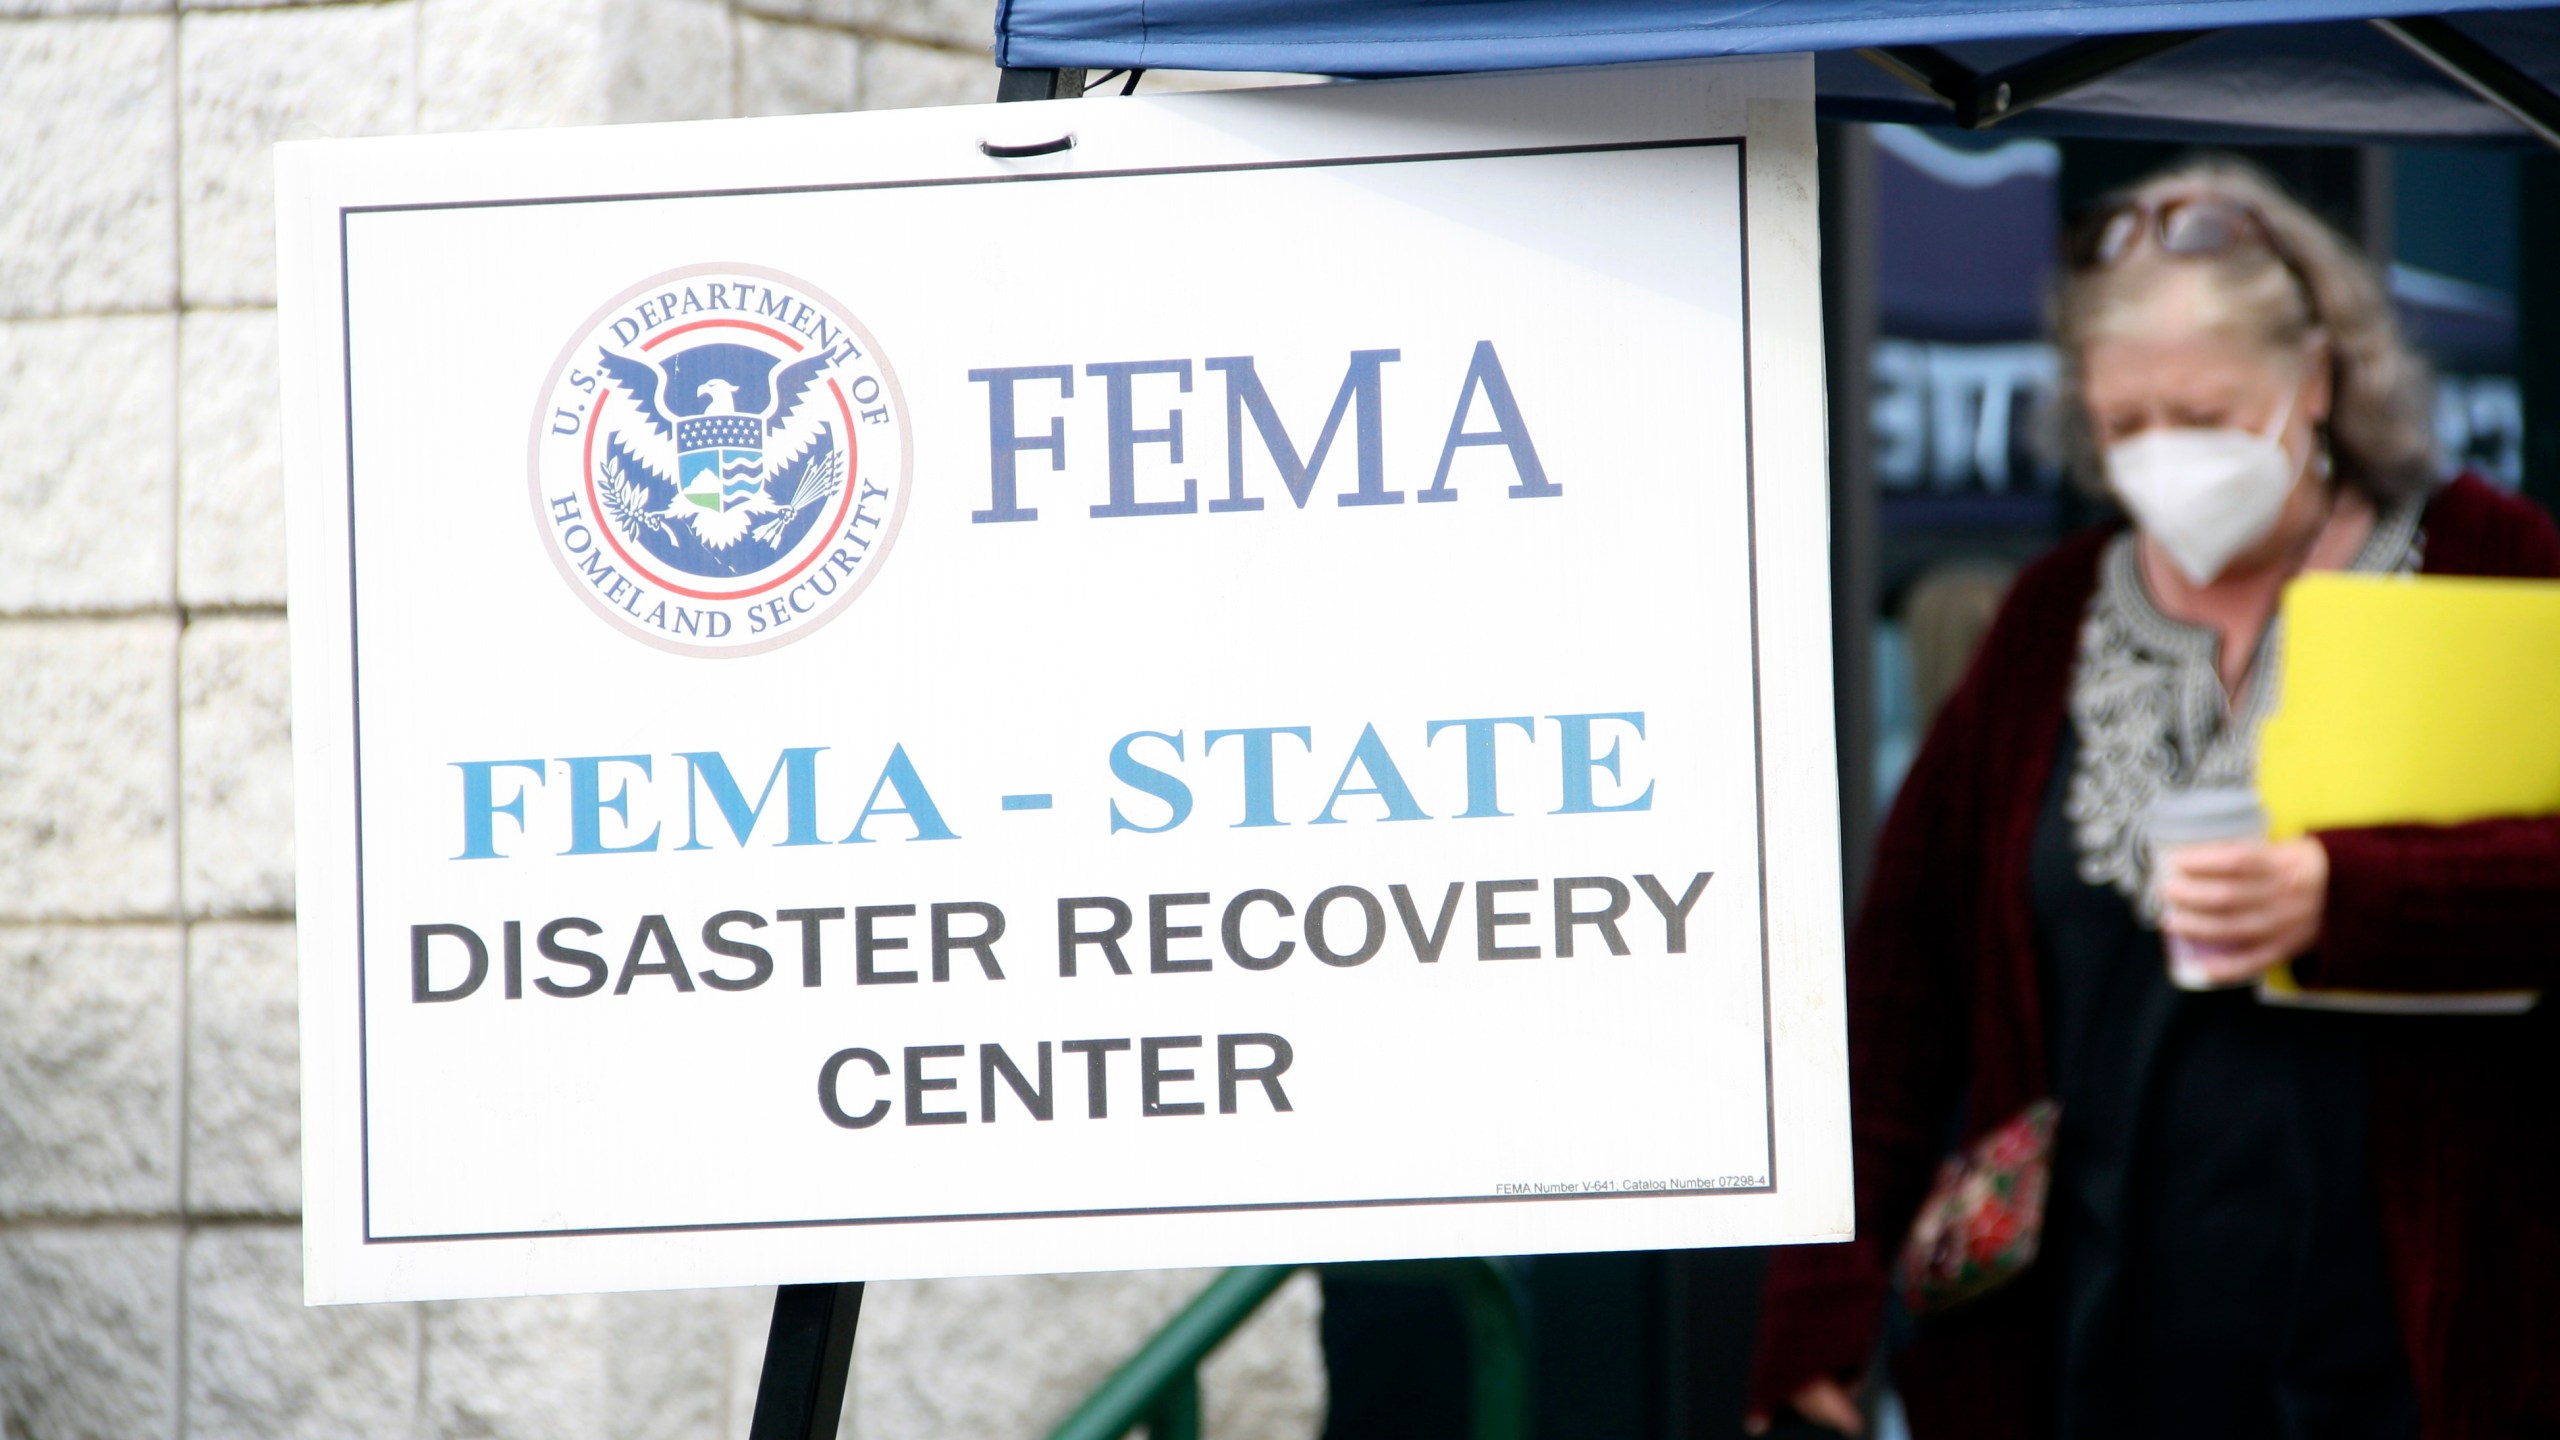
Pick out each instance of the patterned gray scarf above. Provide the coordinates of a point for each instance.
(2148, 705)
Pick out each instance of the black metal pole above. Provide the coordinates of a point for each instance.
(1850, 243)
(2538, 325)
(1038, 85)
(808, 1355)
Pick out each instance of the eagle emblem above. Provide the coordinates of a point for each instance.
(720, 462)
(714, 459)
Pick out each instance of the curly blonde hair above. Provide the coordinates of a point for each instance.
(2380, 430)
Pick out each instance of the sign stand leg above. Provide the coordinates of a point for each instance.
(807, 1357)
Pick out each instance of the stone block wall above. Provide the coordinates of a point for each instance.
(150, 1276)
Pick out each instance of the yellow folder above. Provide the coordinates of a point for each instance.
(2412, 700)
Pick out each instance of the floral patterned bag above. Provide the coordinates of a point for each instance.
(1984, 1218)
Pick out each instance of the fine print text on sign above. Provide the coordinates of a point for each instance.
(1254, 689)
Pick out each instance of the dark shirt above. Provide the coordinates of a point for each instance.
(1948, 1008)
(2211, 1229)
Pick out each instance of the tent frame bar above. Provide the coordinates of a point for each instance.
(2475, 68)
(1983, 100)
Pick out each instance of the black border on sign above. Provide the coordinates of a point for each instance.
(1759, 755)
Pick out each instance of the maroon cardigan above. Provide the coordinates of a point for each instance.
(1944, 1023)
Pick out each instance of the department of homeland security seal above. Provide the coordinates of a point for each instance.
(720, 460)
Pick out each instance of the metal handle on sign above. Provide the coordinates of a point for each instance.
(1025, 152)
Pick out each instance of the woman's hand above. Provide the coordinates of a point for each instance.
(1827, 1403)
(2255, 905)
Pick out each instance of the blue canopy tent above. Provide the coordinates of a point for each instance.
(2234, 70)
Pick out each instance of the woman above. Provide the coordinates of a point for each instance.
(2263, 1222)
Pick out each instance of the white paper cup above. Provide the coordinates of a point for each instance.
(2193, 817)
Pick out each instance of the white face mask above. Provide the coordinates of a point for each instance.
(2205, 495)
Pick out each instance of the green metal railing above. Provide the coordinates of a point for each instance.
(1159, 1387)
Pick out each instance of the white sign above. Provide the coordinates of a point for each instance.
(1252, 688)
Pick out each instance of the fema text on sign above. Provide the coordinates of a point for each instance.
(1249, 410)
